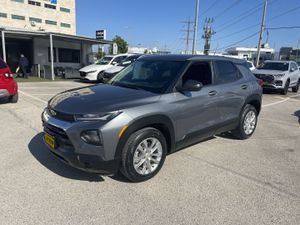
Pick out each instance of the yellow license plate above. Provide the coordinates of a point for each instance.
(50, 141)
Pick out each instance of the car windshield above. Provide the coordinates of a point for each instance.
(153, 76)
(104, 61)
(275, 66)
(127, 61)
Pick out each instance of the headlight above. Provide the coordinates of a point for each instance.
(91, 137)
(93, 71)
(280, 75)
(97, 117)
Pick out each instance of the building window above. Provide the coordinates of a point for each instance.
(66, 25)
(49, 6)
(3, 15)
(37, 20)
(20, 1)
(50, 22)
(54, 54)
(17, 17)
(68, 55)
(34, 3)
(62, 9)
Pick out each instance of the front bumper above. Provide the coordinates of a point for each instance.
(71, 150)
(88, 76)
(276, 84)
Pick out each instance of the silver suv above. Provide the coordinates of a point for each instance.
(155, 106)
(279, 75)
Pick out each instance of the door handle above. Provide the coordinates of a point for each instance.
(212, 93)
(244, 87)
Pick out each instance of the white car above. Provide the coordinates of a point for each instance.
(279, 75)
(250, 65)
(94, 72)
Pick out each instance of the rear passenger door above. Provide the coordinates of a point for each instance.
(233, 88)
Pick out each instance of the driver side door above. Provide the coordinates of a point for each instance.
(196, 115)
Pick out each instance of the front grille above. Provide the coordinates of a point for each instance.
(59, 134)
(82, 74)
(61, 116)
(265, 77)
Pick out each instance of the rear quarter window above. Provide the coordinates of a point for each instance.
(2, 64)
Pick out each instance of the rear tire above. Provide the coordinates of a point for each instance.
(14, 98)
(137, 150)
(296, 88)
(247, 123)
(286, 88)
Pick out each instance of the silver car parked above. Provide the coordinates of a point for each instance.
(157, 105)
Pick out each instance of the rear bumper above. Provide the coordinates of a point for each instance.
(4, 93)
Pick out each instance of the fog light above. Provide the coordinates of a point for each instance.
(91, 137)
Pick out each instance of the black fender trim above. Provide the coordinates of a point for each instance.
(254, 97)
(148, 121)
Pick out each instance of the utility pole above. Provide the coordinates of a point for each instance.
(187, 39)
(196, 27)
(262, 29)
(297, 52)
(208, 33)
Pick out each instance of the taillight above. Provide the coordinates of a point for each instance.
(8, 75)
(260, 82)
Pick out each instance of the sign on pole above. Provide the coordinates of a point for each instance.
(115, 49)
(101, 34)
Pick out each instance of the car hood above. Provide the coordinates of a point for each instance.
(94, 67)
(114, 69)
(100, 98)
(269, 72)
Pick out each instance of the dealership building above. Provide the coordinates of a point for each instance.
(45, 32)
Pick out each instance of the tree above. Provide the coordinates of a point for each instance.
(122, 45)
(100, 54)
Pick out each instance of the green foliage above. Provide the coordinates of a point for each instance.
(122, 45)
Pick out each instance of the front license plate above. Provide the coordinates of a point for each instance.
(50, 141)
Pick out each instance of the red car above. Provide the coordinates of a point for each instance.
(8, 86)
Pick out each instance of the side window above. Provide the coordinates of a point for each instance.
(295, 66)
(226, 72)
(199, 71)
(119, 59)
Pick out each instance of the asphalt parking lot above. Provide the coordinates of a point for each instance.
(219, 181)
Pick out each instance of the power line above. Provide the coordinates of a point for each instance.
(254, 25)
(244, 15)
(235, 3)
(283, 28)
(240, 41)
(210, 7)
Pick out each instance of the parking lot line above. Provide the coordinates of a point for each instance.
(33, 97)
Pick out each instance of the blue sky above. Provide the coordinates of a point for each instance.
(157, 23)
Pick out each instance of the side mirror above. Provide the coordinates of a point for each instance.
(114, 63)
(191, 85)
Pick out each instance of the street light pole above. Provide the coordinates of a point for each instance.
(262, 29)
(196, 27)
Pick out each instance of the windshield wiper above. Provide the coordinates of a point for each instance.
(127, 86)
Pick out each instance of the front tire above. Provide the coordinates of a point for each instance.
(100, 76)
(14, 98)
(144, 154)
(296, 88)
(247, 123)
(286, 88)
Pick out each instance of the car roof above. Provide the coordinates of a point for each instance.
(172, 57)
